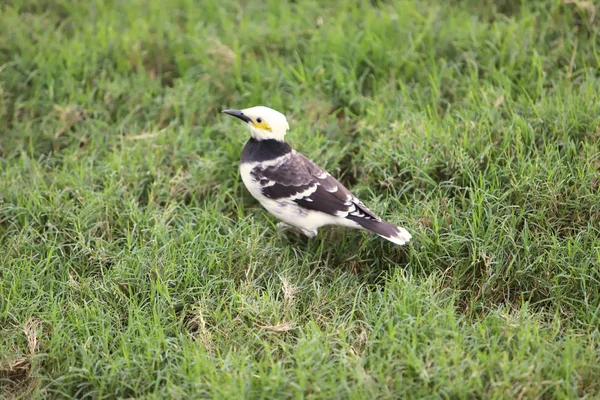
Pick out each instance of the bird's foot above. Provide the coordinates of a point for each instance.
(283, 227)
(310, 233)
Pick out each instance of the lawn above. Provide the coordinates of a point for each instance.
(134, 263)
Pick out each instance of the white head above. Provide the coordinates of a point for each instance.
(263, 122)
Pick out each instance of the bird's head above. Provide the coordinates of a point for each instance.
(263, 122)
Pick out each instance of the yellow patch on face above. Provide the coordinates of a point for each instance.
(262, 125)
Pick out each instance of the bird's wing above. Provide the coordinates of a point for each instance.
(303, 182)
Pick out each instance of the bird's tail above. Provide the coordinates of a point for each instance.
(391, 232)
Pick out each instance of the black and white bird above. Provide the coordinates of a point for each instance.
(295, 189)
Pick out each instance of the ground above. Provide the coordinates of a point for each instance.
(135, 264)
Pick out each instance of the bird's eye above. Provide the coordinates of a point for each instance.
(259, 120)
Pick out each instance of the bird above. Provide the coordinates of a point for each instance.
(296, 190)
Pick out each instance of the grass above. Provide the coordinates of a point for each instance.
(135, 264)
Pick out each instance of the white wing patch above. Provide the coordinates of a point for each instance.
(303, 194)
(276, 162)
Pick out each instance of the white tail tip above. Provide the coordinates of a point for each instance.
(401, 237)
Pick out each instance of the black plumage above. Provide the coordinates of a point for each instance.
(300, 180)
(264, 150)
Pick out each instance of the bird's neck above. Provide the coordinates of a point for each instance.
(264, 150)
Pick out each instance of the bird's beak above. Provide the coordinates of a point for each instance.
(237, 114)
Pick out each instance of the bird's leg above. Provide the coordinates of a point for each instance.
(310, 233)
(283, 227)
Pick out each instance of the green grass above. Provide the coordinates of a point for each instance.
(133, 262)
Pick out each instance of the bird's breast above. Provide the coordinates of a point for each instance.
(250, 181)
